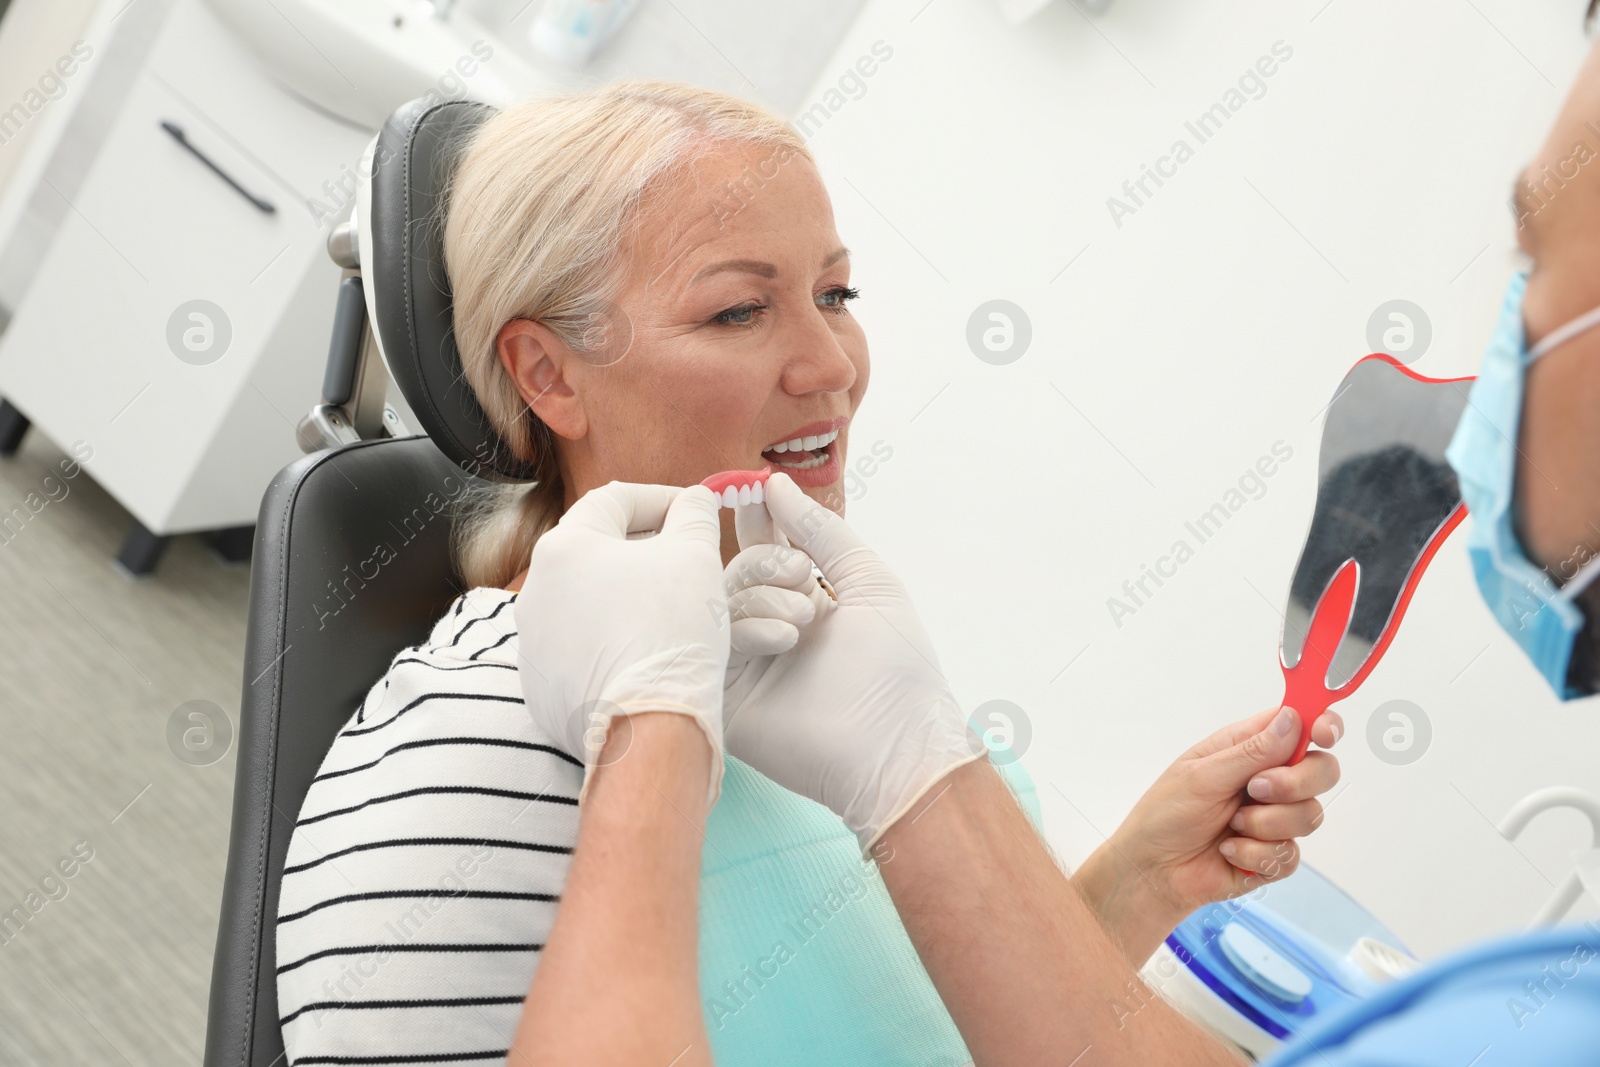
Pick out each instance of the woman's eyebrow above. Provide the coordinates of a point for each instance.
(756, 266)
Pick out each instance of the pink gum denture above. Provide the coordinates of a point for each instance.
(739, 487)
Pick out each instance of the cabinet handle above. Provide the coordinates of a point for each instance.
(178, 135)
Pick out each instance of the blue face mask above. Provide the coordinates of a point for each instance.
(1525, 599)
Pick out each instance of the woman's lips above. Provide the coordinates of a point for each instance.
(825, 473)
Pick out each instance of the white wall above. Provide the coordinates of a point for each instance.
(1213, 322)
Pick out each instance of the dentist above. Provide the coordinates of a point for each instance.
(1527, 454)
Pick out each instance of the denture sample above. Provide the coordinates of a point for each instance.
(739, 487)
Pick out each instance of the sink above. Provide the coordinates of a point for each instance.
(360, 59)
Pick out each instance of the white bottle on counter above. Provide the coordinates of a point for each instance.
(569, 31)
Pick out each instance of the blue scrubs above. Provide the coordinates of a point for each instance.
(1529, 999)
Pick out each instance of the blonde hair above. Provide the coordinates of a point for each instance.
(543, 198)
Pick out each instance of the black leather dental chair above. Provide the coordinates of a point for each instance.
(328, 607)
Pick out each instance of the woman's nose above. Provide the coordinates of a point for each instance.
(818, 362)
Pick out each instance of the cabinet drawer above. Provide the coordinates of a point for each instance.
(199, 59)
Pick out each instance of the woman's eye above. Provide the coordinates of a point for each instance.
(749, 315)
(751, 310)
(843, 293)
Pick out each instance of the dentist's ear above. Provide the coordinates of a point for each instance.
(545, 371)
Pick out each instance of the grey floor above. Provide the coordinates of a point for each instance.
(112, 964)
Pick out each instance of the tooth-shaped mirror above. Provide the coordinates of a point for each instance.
(1386, 498)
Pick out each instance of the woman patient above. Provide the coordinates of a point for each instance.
(649, 288)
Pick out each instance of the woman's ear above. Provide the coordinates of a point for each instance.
(542, 367)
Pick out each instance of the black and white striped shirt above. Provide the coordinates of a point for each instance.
(428, 858)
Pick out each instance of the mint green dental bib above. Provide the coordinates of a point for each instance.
(803, 959)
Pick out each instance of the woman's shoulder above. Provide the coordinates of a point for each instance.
(469, 654)
(445, 729)
(477, 627)
(429, 853)
(442, 750)
(460, 685)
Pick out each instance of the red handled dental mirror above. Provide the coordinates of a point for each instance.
(1386, 501)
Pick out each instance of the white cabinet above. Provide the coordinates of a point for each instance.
(188, 439)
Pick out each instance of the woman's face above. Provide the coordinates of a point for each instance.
(742, 340)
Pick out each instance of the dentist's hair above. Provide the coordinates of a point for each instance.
(536, 216)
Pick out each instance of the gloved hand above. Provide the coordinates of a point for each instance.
(609, 626)
(772, 594)
(856, 716)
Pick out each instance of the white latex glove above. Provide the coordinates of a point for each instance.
(772, 595)
(609, 626)
(857, 715)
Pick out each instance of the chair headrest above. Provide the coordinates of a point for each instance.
(401, 228)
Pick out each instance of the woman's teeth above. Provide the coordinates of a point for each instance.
(813, 448)
(805, 444)
(816, 460)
